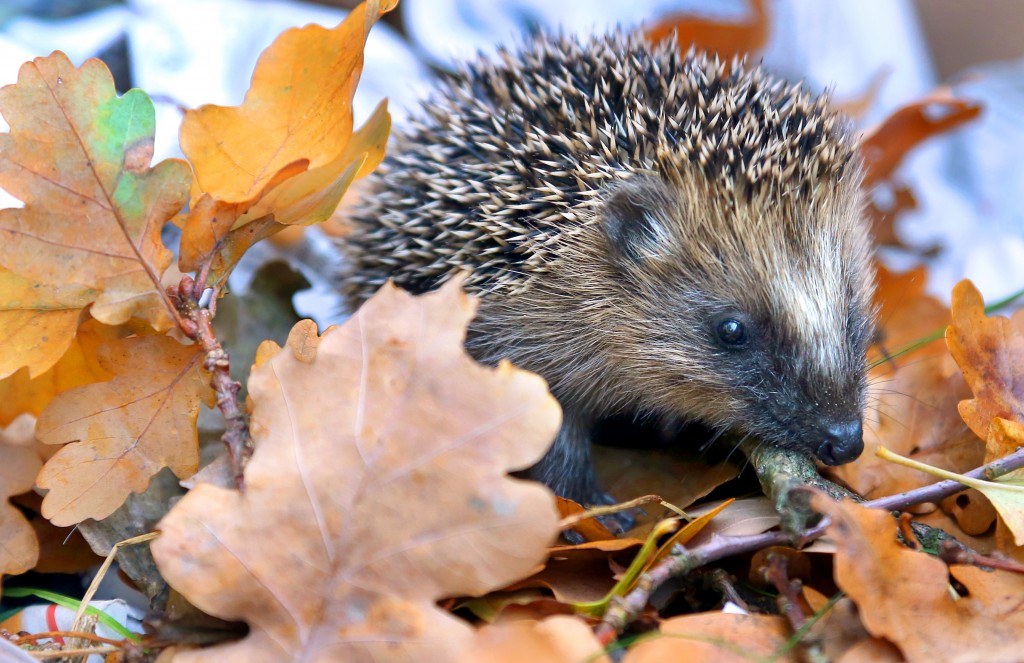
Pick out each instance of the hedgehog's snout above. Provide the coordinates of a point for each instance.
(843, 442)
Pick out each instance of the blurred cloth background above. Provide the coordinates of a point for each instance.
(970, 221)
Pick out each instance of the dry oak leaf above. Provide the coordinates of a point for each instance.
(37, 322)
(118, 434)
(78, 366)
(378, 486)
(19, 464)
(715, 637)
(903, 595)
(557, 639)
(990, 352)
(78, 156)
(288, 153)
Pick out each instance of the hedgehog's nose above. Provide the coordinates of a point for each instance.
(843, 443)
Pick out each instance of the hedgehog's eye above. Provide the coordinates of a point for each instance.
(731, 332)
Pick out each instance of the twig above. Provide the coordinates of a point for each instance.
(81, 635)
(67, 653)
(199, 327)
(623, 610)
(777, 573)
(943, 489)
(682, 561)
(597, 511)
(950, 553)
(77, 625)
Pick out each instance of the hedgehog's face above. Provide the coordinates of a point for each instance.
(749, 320)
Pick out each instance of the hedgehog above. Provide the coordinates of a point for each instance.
(658, 234)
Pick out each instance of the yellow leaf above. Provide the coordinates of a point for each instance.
(287, 155)
(299, 106)
(1006, 492)
(78, 366)
(37, 322)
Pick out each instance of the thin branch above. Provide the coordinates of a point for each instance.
(80, 635)
(624, 610)
(939, 491)
(199, 327)
(950, 553)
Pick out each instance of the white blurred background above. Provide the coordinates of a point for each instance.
(968, 184)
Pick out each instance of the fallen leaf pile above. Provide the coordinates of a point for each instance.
(365, 504)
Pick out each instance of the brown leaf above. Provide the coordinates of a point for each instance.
(903, 595)
(715, 637)
(583, 573)
(19, 464)
(378, 486)
(678, 478)
(558, 639)
(78, 156)
(118, 434)
(990, 352)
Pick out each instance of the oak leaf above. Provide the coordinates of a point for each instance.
(79, 156)
(118, 434)
(378, 485)
(990, 352)
(557, 639)
(19, 464)
(903, 595)
(37, 322)
(288, 153)
(715, 637)
(78, 366)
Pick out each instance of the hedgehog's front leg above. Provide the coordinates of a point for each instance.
(568, 470)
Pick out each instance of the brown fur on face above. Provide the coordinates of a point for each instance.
(615, 204)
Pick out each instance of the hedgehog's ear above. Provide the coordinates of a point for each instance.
(633, 220)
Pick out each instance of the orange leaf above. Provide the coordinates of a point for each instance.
(715, 637)
(727, 39)
(376, 488)
(210, 221)
(77, 367)
(78, 156)
(299, 106)
(19, 464)
(288, 153)
(37, 322)
(904, 597)
(118, 434)
(557, 639)
(884, 145)
(990, 352)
